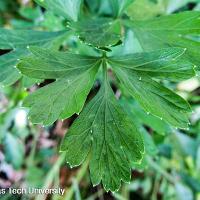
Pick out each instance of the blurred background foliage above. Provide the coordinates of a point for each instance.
(29, 154)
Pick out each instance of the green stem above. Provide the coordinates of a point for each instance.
(155, 187)
(36, 135)
(118, 196)
(51, 175)
(96, 195)
(160, 170)
(104, 65)
(69, 193)
(125, 191)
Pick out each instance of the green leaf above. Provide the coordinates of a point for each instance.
(101, 32)
(155, 98)
(31, 13)
(130, 107)
(150, 146)
(177, 30)
(145, 9)
(74, 74)
(18, 40)
(165, 63)
(9, 74)
(119, 6)
(106, 133)
(52, 22)
(67, 8)
(138, 114)
(12, 39)
(28, 82)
